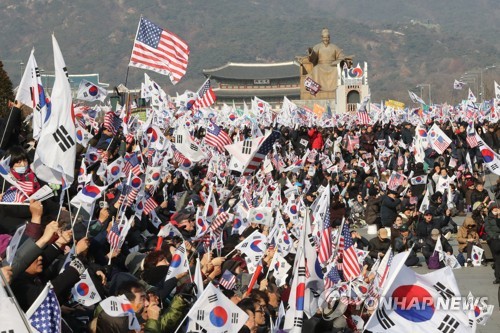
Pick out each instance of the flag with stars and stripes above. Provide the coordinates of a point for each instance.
(256, 159)
(160, 51)
(228, 280)
(216, 137)
(13, 195)
(45, 313)
(206, 96)
(325, 245)
(113, 236)
(350, 264)
(332, 277)
(112, 122)
(471, 135)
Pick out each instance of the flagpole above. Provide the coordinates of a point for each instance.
(6, 125)
(136, 33)
(388, 283)
(21, 312)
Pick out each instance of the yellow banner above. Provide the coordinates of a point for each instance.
(395, 104)
(318, 110)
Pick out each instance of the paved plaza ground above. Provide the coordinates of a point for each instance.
(478, 280)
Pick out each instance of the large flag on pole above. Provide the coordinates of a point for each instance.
(411, 302)
(32, 94)
(458, 85)
(415, 98)
(490, 158)
(56, 146)
(160, 51)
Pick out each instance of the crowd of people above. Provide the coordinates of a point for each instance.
(376, 182)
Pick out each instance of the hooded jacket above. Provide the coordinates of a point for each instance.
(464, 233)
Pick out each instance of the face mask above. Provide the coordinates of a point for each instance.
(20, 170)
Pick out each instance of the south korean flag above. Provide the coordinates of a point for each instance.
(85, 292)
(418, 303)
(216, 313)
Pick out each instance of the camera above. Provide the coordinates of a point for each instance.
(103, 204)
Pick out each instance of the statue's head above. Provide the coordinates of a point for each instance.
(325, 36)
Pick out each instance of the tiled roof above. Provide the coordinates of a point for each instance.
(255, 71)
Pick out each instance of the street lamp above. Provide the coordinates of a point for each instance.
(421, 85)
(467, 77)
(479, 73)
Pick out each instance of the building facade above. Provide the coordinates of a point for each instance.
(238, 83)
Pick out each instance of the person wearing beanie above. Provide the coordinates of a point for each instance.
(372, 211)
(429, 244)
(388, 208)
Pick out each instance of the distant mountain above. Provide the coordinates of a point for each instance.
(404, 43)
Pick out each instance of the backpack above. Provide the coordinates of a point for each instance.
(434, 261)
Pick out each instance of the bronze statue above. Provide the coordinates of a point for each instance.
(324, 58)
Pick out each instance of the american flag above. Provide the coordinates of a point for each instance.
(160, 51)
(217, 137)
(395, 181)
(441, 144)
(149, 204)
(112, 122)
(325, 245)
(350, 262)
(104, 155)
(261, 153)
(47, 316)
(383, 269)
(13, 195)
(136, 184)
(219, 221)
(228, 280)
(332, 278)
(206, 96)
(439, 140)
(277, 161)
(113, 236)
(352, 142)
(471, 136)
(132, 164)
(179, 157)
(363, 117)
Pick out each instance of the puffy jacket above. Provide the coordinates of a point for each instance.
(372, 211)
(430, 244)
(464, 233)
(388, 211)
(168, 321)
(492, 227)
(315, 139)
